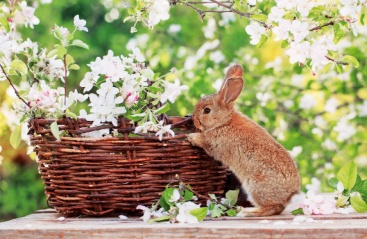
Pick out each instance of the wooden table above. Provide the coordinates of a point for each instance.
(45, 224)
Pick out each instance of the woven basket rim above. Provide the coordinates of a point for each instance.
(125, 125)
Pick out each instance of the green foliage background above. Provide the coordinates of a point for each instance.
(21, 189)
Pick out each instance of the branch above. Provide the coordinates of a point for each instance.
(321, 26)
(199, 11)
(245, 14)
(11, 83)
(337, 62)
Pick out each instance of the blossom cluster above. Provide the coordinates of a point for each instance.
(149, 12)
(349, 196)
(293, 21)
(177, 206)
(125, 84)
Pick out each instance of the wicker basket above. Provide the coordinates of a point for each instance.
(99, 176)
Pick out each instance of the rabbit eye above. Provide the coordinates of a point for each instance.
(206, 111)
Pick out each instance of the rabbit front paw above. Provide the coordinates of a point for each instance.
(195, 139)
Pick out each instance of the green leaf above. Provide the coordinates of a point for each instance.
(69, 59)
(188, 195)
(16, 136)
(212, 196)
(131, 11)
(362, 18)
(341, 201)
(339, 68)
(23, 119)
(162, 110)
(215, 213)
(20, 66)
(135, 117)
(327, 67)
(167, 194)
(52, 53)
(297, 211)
(55, 130)
(285, 43)
(164, 204)
(74, 67)
(154, 89)
(211, 207)
(259, 17)
(72, 115)
(333, 182)
(351, 60)
(358, 185)
(238, 3)
(5, 24)
(347, 68)
(199, 213)
(79, 43)
(358, 204)
(348, 175)
(263, 39)
(148, 73)
(160, 219)
(338, 35)
(232, 196)
(231, 213)
(61, 51)
(363, 189)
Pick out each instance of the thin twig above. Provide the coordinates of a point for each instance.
(321, 26)
(245, 14)
(11, 83)
(337, 62)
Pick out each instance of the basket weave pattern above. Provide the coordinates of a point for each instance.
(99, 176)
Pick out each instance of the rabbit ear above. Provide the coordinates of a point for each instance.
(233, 71)
(231, 89)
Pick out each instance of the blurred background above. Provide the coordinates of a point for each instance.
(320, 119)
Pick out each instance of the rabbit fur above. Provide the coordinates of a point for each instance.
(268, 174)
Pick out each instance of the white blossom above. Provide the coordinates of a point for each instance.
(137, 55)
(308, 101)
(173, 90)
(80, 24)
(27, 15)
(298, 52)
(255, 31)
(330, 145)
(184, 214)
(299, 30)
(287, 4)
(331, 105)
(282, 31)
(362, 109)
(276, 14)
(163, 130)
(158, 11)
(344, 129)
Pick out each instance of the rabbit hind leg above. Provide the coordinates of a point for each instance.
(261, 211)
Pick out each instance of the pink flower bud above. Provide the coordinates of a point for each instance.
(105, 76)
(300, 64)
(348, 20)
(313, 73)
(9, 20)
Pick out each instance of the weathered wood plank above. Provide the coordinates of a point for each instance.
(44, 224)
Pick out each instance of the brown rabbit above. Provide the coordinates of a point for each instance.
(268, 174)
